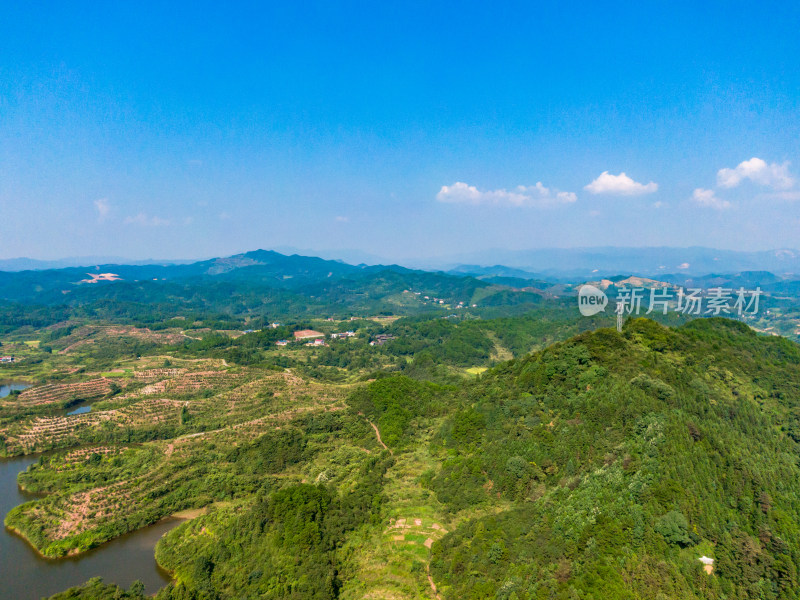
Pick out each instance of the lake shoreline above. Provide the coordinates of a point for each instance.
(182, 516)
(121, 560)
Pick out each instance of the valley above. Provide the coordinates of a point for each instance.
(399, 301)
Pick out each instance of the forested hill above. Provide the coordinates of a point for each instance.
(626, 458)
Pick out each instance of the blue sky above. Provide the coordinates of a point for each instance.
(398, 129)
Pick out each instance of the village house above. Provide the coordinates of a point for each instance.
(282, 343)
(344, 334)
(316, 342)
(381, 339)
(6, 359)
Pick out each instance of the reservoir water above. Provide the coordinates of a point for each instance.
(7, 388)
(24, 575)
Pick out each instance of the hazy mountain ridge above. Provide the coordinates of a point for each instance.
(85, 262)
(549, 262)
(652, 262)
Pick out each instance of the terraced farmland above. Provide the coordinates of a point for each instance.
(64, 393)
(99, 334)
(152, 456)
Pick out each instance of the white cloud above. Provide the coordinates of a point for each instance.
(708, 198)
(758, 171)
(533, 195)
(462, 193)
(143, 220)
(341, 219)
(545, 194)
(103, 208)
(619, 185)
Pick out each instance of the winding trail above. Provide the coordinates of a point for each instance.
(378, 435)
(433, 585)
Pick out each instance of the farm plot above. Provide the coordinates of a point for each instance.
(149, 375)
(181, 382)
(91, 334)
(276, 391)
(64, 393)
(191, 402)
(215, 381)
(81, 455)
(101, 492)
(45, 433)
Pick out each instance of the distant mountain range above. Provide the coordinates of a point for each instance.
(571, 263)
(288, 284)
(32, 264)
(261, 266)
(308, 283)
(546, 263)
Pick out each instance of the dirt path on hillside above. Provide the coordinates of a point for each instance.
(433, 585)
(378, 435)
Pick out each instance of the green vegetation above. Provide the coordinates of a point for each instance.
(506, 450)
(285, 544)
(627, 457)
(97, 590)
